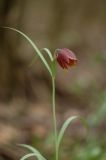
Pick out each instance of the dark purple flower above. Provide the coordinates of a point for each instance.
(65, 58)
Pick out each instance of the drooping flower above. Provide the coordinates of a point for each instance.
(66, 58)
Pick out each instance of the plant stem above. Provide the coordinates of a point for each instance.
(54, 117)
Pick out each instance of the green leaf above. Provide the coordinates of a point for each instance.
(53, 68)
(32, 149)
(33, 61)
(65, 126)
(49, 53)
(35, 48)
(30, 155)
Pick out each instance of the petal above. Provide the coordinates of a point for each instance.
(62, 63)
(69, 53)
(72, 62)
(63, 57)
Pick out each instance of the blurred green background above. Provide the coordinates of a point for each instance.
(25, 93)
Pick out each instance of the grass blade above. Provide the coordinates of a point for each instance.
(63, 129)
(65, 126)
(31, 155)
(34, 46)
(32, 149)
(49, 53)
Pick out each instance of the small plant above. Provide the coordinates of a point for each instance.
(65, 58)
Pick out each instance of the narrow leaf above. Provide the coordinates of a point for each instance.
(49, 53)
(29, 155)
(33, 61)
(53, 67)
(32, 149)
(34, 46)
(65, 126)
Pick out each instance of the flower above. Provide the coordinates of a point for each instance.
(66, 58)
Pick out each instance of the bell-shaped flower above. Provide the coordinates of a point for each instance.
(66, 58)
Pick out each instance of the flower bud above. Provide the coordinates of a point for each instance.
(65, 58)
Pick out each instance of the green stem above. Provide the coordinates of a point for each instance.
(54, 117)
